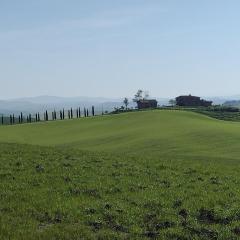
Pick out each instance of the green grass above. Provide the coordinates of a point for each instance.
(222, 115)
(142, 175)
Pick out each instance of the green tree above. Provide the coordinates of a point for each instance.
(138, 96)
(46, 115)
(126, 102)
(21, 117)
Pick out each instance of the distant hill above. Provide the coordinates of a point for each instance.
(222, 100)
(233, 103)
(42, 103)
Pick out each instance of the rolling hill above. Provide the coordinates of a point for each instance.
(142, 175)
(156, 131)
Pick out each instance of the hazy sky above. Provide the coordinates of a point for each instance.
(112, 48)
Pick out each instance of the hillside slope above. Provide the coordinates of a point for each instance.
(145, 175)
(154, 131)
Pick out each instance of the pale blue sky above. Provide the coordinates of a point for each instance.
(112, 48)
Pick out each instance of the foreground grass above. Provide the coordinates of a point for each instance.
(48, 193)
(152, 175)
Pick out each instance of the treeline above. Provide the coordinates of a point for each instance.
(47, 116)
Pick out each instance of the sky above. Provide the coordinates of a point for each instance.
(113, 48)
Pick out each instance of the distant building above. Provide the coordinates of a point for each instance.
(192, 101)
(147, 103)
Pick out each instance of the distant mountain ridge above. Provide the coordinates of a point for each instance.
(43, 103)
(233, 103)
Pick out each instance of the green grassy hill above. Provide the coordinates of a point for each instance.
(153, 131)
(142, 175)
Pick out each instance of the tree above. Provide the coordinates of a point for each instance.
(71, 111)
(126, 102)
(141, 95)
(21, 117)
(93, 111)
(138, 96)
(172, 102)
(46, 115)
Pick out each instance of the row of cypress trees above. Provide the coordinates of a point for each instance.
(29, 118)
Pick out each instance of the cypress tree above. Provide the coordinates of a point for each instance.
(87, 112)
(30, 118)
(63, 114)
(13, 119)
(27, 119)
(2, 120)
(71, 112)
(10, 119)
(55, 115)
(46, 115)
(77, 113)
(36, 117)
(68, 114)
(93, 111)
(21, 117)
(39, 117)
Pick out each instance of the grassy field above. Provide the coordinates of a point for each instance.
(142, 175)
